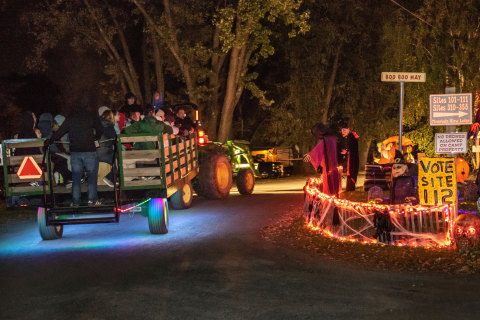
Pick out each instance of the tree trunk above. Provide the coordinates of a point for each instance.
(146, 70)
(364, 148)
(331, 83)
(214, 85)
(158, 61)
(230, 95)
(173, 45)
(131, 68)
(128, 58)
(113, 51)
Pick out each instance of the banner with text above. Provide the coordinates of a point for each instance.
(437, 181)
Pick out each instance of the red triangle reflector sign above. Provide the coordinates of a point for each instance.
(29, 169)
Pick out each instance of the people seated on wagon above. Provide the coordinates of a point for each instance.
(149, 126)
(184, 123)
(403, 185)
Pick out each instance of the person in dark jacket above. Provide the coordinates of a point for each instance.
(107, 141)
(131, 109)
(351, 150)
(105, 151)
(85, 130)
(183, 123)
(45, 124)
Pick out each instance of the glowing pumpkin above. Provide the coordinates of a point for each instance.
(462, 170)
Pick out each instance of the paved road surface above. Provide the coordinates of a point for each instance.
(211, 265)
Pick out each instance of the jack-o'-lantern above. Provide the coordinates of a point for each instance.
(462, 170)
(466, 232)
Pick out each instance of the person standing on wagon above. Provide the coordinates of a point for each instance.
(85, 130)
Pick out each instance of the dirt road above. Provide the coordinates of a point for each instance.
(213, 264)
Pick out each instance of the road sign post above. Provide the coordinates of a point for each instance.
(402, 77)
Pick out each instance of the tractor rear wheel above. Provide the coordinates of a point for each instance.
(215, 176)
(245, 181)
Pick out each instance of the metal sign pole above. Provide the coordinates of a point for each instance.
(402, 83)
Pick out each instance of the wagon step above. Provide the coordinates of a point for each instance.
(81, 215)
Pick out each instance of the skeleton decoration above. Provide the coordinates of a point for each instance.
(466, 232)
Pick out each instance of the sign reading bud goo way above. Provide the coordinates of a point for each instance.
(437, 182)
(403, 77)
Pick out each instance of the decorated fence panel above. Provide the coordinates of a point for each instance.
(371, 222)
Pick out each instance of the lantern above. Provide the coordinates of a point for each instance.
(462, 170)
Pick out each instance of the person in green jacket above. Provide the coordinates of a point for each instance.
(149, 126)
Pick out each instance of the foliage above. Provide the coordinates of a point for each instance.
(352, 27)
(442, 45)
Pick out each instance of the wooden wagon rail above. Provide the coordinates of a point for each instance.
(171, 160)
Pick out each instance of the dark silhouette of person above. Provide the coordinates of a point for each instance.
(351, 150)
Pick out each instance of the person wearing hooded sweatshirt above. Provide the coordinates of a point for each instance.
(157, 100)
(85, 130)
(45, 124)
(105, 151)
(27, 131)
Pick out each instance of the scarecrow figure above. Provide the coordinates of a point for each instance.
(325, 154)
(403, 186)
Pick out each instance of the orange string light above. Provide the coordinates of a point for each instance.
(312, 190)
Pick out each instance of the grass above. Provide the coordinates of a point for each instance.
(293, 232)
(16, 214)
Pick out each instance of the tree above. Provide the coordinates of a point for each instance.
(242, 31)
(103, 26)
(442, 43)
(334, 73)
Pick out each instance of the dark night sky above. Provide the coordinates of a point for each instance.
(15, 43)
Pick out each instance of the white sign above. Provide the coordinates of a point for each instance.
(450, 109)
(451, 143)
(403, 77)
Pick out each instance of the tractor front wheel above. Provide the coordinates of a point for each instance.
(245, 181)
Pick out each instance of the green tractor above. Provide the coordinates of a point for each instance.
(221, 163)
(241, 161)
